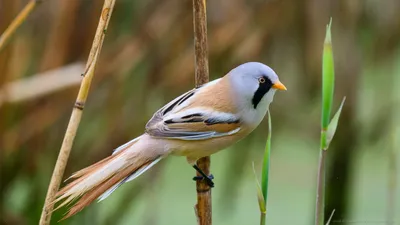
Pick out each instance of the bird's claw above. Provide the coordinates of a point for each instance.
(208, 179)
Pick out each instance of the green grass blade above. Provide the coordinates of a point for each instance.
(333, 124)
(260, 197)
(328, 78)
(262, 190)
(266, 162)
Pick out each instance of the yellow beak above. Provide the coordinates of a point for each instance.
(278, 85)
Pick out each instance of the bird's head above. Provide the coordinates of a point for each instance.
(254, 84)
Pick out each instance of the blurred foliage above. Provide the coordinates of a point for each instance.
(147, 60)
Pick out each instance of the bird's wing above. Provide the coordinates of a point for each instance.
(185, 119)
(195, 124)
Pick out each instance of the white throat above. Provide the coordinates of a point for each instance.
(253, 116)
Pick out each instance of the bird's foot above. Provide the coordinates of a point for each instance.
(203, 176)
(208, 179)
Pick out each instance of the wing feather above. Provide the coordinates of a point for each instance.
(183, 118)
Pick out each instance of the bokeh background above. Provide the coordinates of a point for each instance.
(148, 59)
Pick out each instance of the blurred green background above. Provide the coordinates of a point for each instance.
(147, 59)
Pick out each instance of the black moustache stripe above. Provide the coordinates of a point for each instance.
(263, 88)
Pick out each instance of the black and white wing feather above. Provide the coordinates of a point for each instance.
(182, 119)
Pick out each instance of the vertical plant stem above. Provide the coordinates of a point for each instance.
(76, 112)
(320, 200)
(328, 126)
(21, 17)
(263, 217)
(203, 206)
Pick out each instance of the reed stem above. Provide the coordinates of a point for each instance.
(203, 207)
(76, 112)
(21, 17)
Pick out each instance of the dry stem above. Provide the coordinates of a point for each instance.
(21, 17)
(76, 112)
(203, 206)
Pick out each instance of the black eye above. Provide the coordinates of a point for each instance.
(261, 80)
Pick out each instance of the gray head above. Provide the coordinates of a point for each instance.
(255, 84)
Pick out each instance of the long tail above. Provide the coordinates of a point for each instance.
(99, 180)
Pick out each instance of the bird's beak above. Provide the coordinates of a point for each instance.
(278, 85)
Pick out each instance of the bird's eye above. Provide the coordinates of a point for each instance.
(261, 80)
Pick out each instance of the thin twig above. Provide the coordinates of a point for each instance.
(203, 206)
(76, 112)
(330, 217)
(21, 17)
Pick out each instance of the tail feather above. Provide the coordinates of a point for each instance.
(86, 170)
(91, 195)
(131, 177)
(93, 177)
(103, 161)
(98, 181)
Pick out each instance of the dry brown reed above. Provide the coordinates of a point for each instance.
(77, 112)
(203, 206)
(21, 17)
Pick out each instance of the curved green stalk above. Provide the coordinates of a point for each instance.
(262, 190)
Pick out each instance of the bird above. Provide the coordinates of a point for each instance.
(196, 124)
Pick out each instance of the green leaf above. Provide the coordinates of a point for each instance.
(333, 124)
(266, 161)
(260, 197)
(328, 78)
